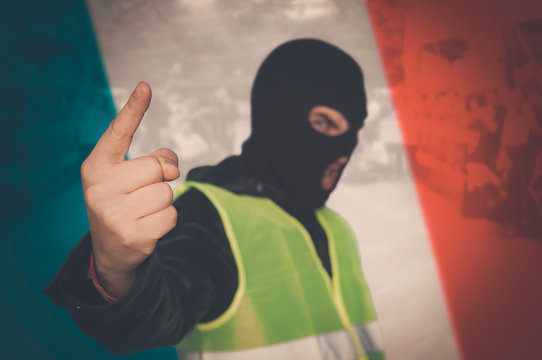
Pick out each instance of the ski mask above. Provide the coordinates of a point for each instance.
(283, 148)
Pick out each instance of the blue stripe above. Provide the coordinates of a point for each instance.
(55, 102)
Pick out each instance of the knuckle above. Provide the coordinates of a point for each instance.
(92, 196)
(109, 217)
(131, 238)
(112, 129)
(130, 107)
(88, 170)
(167, 221)
(115, 131)
(127, 238)
(166, 192)
(84, 168)
(154, 167)
(114, 219)
(172, 215)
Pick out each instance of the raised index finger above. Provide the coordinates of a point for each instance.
(115, 142)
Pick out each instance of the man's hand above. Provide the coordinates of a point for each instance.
(128, 203)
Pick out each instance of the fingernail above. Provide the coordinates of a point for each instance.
(165, 161)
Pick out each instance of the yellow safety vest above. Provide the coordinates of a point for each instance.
(286, 306)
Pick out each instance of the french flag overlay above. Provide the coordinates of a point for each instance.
(444, 191)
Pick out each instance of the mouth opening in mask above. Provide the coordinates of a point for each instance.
(332, 172)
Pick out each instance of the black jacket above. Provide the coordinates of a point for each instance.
(190, 277)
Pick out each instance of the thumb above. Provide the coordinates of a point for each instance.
(170, 163)
(115, 142)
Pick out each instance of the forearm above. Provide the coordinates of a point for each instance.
(191, 276)
(157, 310)
(112, 285)
(152, 314)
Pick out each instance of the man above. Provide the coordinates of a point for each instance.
(249, 263)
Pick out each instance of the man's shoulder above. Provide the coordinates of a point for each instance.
(227, 172)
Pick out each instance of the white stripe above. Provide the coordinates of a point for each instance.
(336, 345)
(369, 336)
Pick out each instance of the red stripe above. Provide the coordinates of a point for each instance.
(438, 57)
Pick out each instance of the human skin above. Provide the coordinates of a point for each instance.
(330, 122)
(129, 202)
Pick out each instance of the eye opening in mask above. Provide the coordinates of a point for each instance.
(328, 121)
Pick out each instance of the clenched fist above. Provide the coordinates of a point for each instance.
(128, 203)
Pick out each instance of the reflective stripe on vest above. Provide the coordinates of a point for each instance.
(330, 346)
(284, 293)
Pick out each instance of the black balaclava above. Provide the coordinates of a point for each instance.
(283, 148)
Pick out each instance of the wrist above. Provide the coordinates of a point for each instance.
(92, 276)
(116, 283)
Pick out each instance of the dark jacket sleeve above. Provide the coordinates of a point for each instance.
(190, 277)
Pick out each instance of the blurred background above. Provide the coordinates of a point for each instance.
(444, 191)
